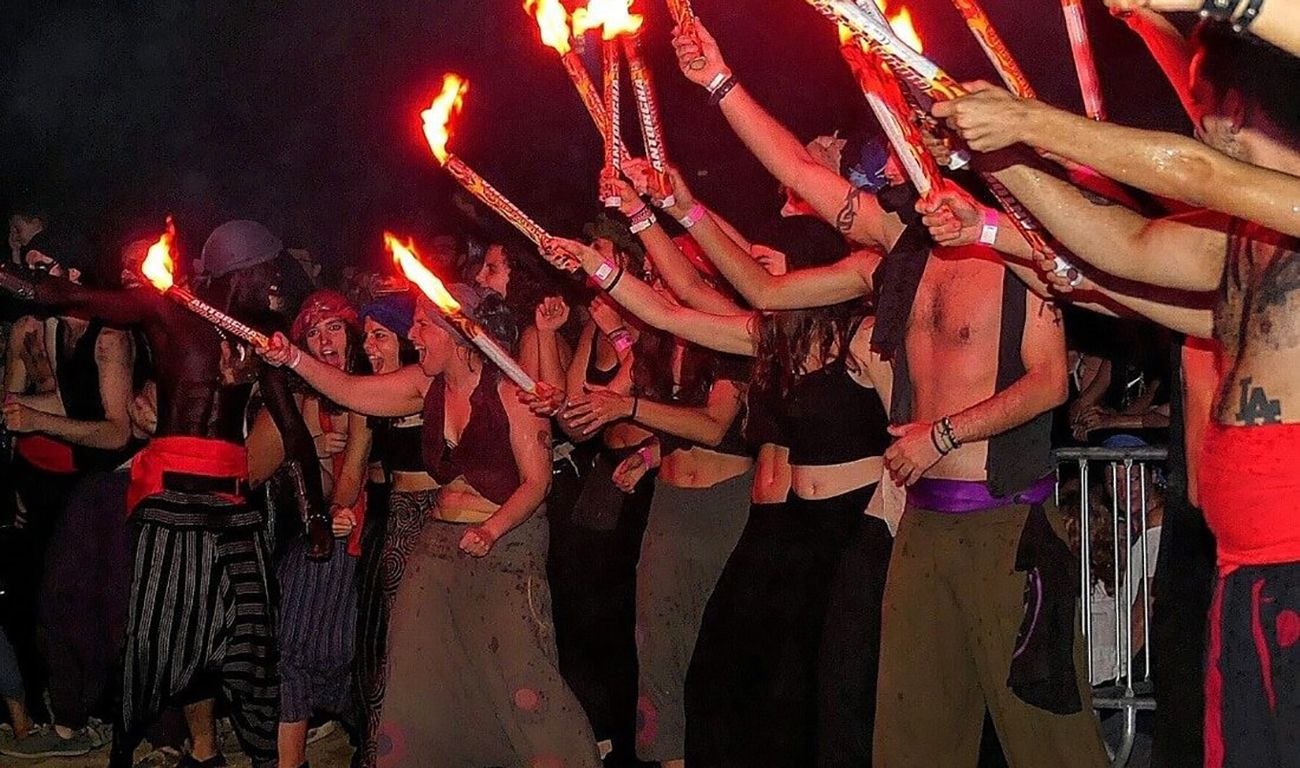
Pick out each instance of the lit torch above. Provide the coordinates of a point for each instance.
(885, 97)
(437, 120)
(157, 269)
(1084, 64)
(614, 20)
(409, 263)
(553, 22)
(869, 26)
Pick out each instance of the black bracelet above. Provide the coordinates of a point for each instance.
(614, 282)
(720, 93)
(636, 404)
(1219, 10)
(934, 440)
(1248, 16)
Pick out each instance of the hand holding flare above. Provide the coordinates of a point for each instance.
(870, 27)
(409, 263)
(157, 269)
(437, 132)
(885, 97)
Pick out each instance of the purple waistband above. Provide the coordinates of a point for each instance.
(959, 497)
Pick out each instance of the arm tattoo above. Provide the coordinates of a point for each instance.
(1055, 311)
(848, 215)
(1095, 198)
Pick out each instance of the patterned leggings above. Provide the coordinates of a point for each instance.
(382, 566)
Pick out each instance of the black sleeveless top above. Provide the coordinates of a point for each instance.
(595, 375)
(829, 418)
(397, 444)
(78, 379)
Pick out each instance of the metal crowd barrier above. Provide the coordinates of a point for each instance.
(1125, 685)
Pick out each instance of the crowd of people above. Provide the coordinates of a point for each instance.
(780, 499)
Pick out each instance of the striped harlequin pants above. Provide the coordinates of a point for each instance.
(200, 610)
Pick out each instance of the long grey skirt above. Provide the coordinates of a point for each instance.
(473, 680)
(690, 534)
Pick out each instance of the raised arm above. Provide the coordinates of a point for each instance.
(351, 482)
(685, 281)
(1278, 21)
(725, 333)
(542, 344)
(392, 395)
(115, 307)
(1164, 164)
(857, 215)
(956, 219)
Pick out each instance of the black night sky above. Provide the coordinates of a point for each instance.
(304, 114)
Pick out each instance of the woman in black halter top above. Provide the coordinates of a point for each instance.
(817, 561)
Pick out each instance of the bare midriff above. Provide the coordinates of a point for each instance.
(771, 475)
(458, 502)
(701, 468)
(829, 481)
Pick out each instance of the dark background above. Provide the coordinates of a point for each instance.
(304, 114)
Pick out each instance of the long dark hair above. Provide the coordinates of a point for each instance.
(787, 338)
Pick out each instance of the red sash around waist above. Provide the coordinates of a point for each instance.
(167, 461)
(46, 453)
(1250, 491)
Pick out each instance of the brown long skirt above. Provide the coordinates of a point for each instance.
(473, 680)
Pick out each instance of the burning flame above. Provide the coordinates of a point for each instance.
(613, 16)
(438, 116)
(553, 21)
(408, 262)
(901, 23)
(157, 265)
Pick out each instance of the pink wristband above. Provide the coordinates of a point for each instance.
(989, 232)
(692, 216)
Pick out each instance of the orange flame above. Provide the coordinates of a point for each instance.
(613, 16)
(553, 21)
(158, 264)
(902, 25)
(409, 263)
(438, 116)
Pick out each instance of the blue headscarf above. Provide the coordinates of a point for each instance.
(396, 312)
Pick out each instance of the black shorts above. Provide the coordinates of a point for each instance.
(1252, 681)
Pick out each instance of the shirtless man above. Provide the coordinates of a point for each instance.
(977, 378)
(68, 385)
(1247, 473)
(200, 596)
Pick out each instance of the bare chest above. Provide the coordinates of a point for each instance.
(958, 308)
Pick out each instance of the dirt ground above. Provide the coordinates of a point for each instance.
(333, 751)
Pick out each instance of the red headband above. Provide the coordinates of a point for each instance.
(319, 307)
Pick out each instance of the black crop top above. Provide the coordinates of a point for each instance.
(595, 375)
(723, 367)
(829, 418)
(397, 445)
